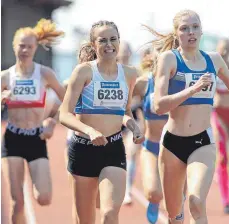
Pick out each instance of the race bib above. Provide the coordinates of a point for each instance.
(109, 94)
(206, 92)
(26, 90)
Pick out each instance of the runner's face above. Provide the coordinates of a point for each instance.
(189, 31)
(106, 42)
(25, 47)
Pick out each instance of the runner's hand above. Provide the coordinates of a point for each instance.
(6, 94)
(96, 137)
(204, 80)
(138, 137)
(48, 128)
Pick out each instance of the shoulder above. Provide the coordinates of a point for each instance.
(85, 67)
(48, 75)
(213, 55)
(5, 73)
(47, 71)
(168, 56)
(142, 81)
(83, 70)
(141, 85)
(217, 60)
(167, 63)
(82, 73)
(130, 72)
(5, 78)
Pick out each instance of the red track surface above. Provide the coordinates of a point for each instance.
(59, 212)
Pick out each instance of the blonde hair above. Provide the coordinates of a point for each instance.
(169, 41)
(147, 60)
(45, 33)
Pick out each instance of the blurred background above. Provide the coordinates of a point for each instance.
(75, 17)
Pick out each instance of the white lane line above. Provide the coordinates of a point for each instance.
(29, 210)
(142, 200)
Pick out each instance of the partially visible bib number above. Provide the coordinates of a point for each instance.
(24, 90)
(109, 94)
(206, 92)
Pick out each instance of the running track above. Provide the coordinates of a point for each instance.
(59, 212)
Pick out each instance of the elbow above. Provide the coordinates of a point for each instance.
(62, 114)
(158, 109)
(159, 112)
(61, 117)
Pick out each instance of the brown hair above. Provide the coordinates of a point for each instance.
(90, 52)
(45, 32)
(86, 53)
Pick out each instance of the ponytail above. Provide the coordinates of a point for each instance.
(163, 42)
(45, 33)
(86, 53)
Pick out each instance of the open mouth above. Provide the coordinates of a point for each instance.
(109, 51)
(192, 40)
(24, 55)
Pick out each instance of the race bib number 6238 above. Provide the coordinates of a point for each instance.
(108, 94)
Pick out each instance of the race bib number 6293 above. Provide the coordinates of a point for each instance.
(26, 90)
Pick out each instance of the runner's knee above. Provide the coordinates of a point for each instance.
(153, 195)
(109, 215)
(197, 207)
(44, 199)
